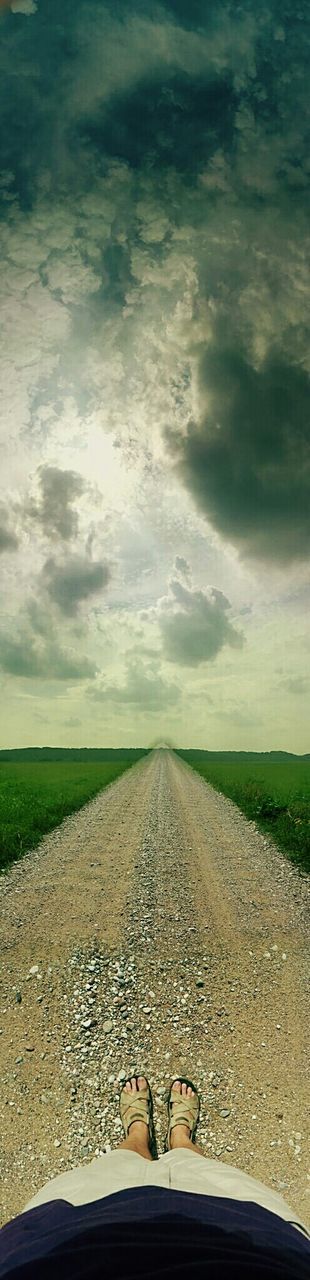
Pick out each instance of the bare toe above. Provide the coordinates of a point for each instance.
(130, 1085)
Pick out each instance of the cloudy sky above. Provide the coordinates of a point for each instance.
(154, 516)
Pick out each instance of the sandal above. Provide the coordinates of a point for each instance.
(138, 1106)
(182, 1110)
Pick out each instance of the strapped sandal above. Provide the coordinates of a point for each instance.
(138, 1106)
(182, 1110)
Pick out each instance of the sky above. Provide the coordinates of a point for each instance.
(155, 462)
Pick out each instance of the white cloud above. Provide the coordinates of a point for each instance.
(73, 279)
(24, 6)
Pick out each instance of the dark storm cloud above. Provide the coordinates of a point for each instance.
(144, 689)
(24, 657)
(134, 87)
(174, 121)
(35, 649)
(35, 56)
(54, 512)
(298, 685)
(182, 566)
(236, 714)
(75, 580)
(247, 462)
(194, 624)
(194, 15)
(8, 538)
(8, 541)
(199, 111)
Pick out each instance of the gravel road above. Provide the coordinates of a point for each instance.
(156, 931)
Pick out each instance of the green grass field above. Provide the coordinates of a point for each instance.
(275, 795)
(36, 796)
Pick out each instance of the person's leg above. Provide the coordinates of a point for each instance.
(138, 1136)
(215, 1178)
(109, 1173)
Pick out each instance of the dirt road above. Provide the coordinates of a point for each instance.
(155, 931)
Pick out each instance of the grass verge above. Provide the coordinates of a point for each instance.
(35, 797)
(276, 796)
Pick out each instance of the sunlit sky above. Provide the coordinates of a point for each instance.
(155, 516)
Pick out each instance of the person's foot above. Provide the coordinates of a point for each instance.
(138, 1129)
(180, 1131)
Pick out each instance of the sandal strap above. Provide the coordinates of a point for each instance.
(186, 1111)
(133, 1106)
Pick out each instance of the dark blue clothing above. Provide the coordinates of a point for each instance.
(156, 1233)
